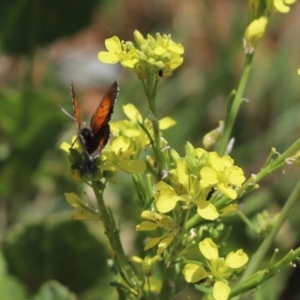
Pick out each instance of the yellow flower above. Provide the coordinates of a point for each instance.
(148, 57)
(189, 189)
(253, 33)
(118, 52)
(83, 212)
(119, 155)
(223, 175)
(114, 47)
(132, 130)
(169, 225)
(217, 270)
(186, 186)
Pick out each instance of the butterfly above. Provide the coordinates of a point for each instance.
(94, 138)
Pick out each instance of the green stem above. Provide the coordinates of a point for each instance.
(112, 232)
(257, 258)
(261, 276)
(150, 90)
(279, 161)
(234, 107)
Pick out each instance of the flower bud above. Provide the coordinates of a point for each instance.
(138, 37)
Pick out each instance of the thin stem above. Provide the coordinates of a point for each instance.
(112, 232)
(259, 277)
(266, 244)
(279, 161)
(150, 86)
(234, 107)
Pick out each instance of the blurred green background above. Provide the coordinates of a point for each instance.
(45, 44)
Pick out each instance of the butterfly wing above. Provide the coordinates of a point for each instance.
(99, 122)
(75, 106)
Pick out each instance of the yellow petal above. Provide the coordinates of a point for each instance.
(113, 44)
(236, 259)
(166, 123)
(228, 209)
(177, 48)
(165, 203)
(280, 6)
(207, 210)
(227, 161)
(81, 213)
(175, 63)
(182, 173)
(221, 291)
(108, 57)
(120, 144)
(73, 200)
(209, 249)
(228, 191)
(147, 226)
(236, 176)
(159, 50)
(133, 166)
(209, 175)
(137, 259)
(150, 215)
(132, 133)
(65, 146)
(129, 63)
(131, 112)
(152, 242)
(194, 273)
(84, 215)
(166, 198)
(164, 243)
(153, 284)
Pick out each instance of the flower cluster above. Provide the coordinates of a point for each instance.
(148, 57)
(199, 178)
(131, 137)
(155, 220)
(216, 270)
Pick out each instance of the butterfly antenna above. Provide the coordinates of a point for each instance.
(64, 111)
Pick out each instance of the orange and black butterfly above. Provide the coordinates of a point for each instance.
(94, 138)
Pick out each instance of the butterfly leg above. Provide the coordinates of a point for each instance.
(74, 143)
